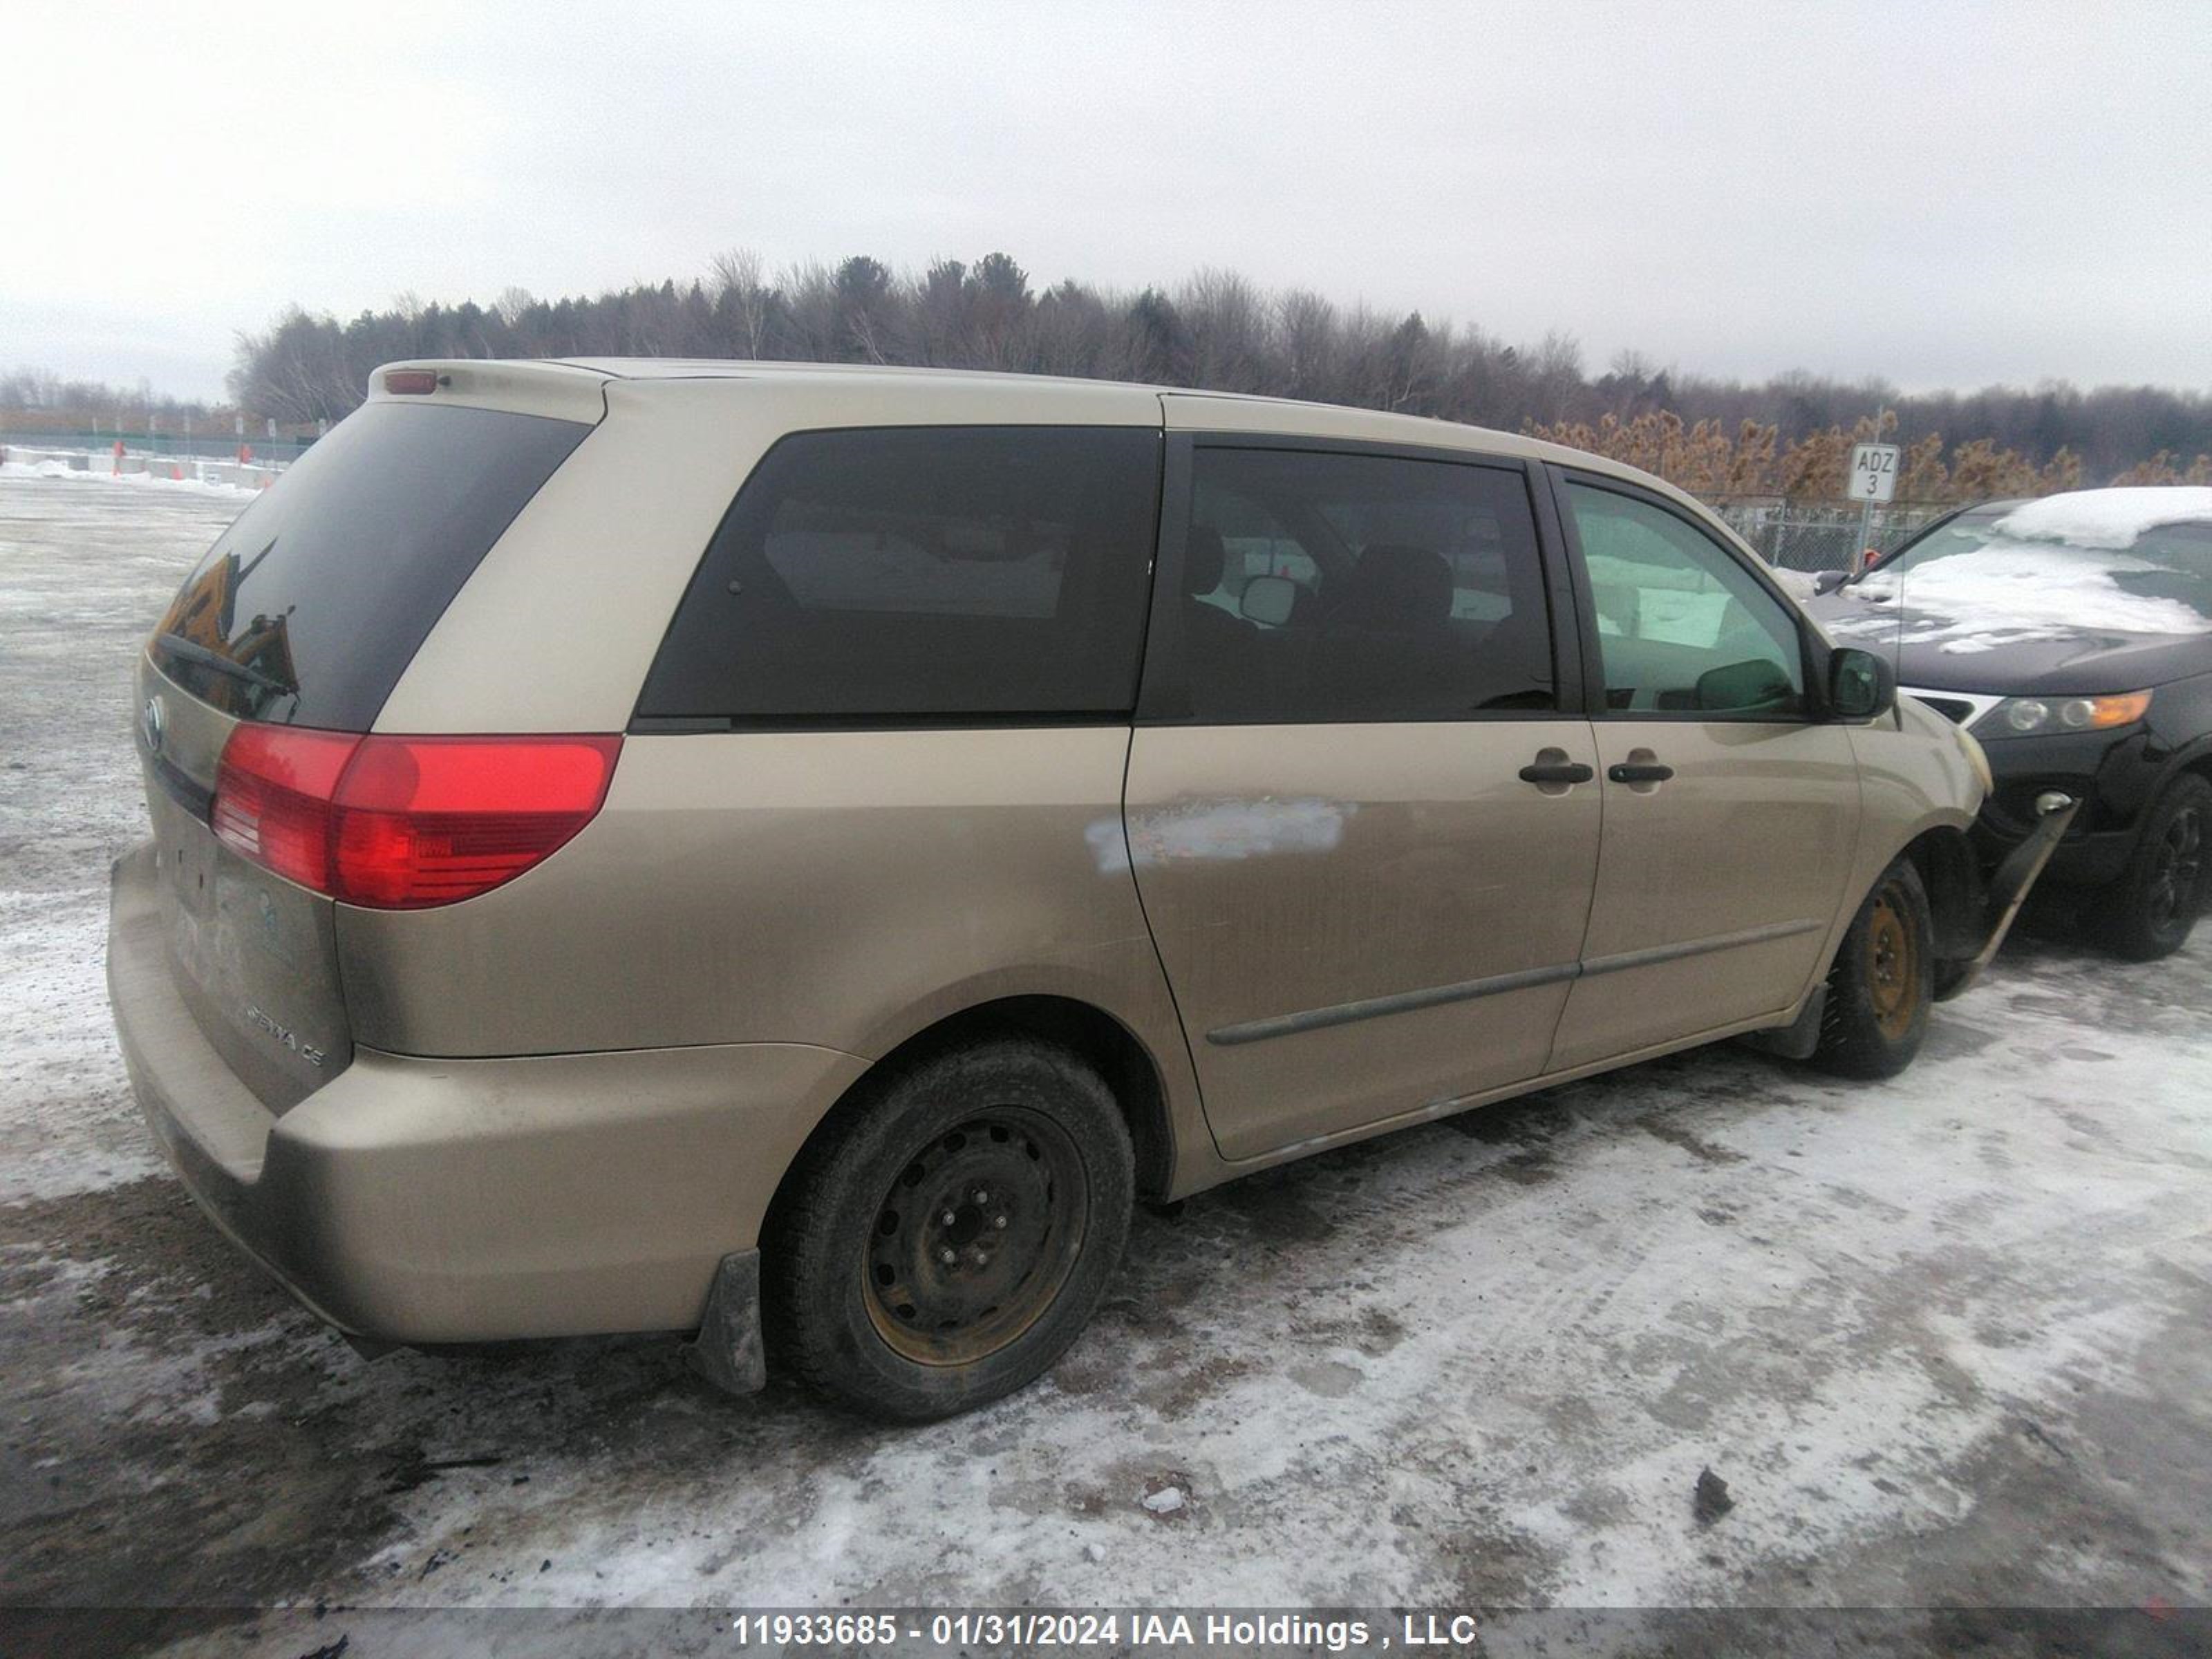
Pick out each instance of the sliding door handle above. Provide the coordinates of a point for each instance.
(1639, 772)
(1557, 771)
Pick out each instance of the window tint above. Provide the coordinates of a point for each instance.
(922, 572)
(1682, 625)
(309, 607)
(1253, 543)
(1358, 587)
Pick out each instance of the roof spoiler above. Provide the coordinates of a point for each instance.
(561, 392)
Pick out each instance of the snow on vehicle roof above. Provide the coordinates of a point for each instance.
(2111, 519)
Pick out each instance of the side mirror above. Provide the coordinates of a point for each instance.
(1268, 600)
(1758, 683)
(1860, 685)
(1828, 581)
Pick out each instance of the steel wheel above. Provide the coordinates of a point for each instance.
(1873, 1017)
(2177, 869)
(976, 1237)
(1892, 968)
(923, 1158)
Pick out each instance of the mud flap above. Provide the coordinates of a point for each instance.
(728, 1351)
(1798, 1039)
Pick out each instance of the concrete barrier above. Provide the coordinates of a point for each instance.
(161, 469)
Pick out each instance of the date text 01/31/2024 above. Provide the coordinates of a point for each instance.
(1026, 1628)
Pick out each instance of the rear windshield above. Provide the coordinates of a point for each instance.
(920, 573)
(308, 609)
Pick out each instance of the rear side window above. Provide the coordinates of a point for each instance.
(1342, 587)
(921, 572)
(307, 611)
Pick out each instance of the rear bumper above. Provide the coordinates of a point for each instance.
(424, 1201)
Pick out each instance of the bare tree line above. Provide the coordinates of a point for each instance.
(1219, 329)
(34, 398)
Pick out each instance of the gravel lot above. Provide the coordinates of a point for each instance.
(1948, 1341)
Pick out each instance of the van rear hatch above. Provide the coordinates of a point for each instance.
(303, 616)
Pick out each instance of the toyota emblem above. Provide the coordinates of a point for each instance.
(154, 724)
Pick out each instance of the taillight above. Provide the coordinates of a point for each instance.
(401, 824)
(425, 821)
(273, 791)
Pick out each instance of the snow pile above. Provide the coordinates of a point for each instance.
(39, 470)
(2109, 518)
(200, 485)
(2008, 593)
(50, 468)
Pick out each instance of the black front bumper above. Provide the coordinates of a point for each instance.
(2112, 777)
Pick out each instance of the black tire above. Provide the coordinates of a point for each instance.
(1883, 981)
(1010, 1154)
(2148, 913)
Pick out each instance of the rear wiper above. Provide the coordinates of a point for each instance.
(193, 652)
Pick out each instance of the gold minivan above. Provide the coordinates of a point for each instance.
(791, 853)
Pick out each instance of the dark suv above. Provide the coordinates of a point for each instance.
(2073, 635)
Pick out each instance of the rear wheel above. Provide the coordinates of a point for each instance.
(2148, 912)
(945, 1242)
(1883, 981)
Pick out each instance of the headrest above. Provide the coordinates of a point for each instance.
(1203, 558)
(1394, 584)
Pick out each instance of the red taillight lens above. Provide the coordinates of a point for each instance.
(427, 821)
(401, 824)
(273, 791)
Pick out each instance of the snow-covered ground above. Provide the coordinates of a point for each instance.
(1948, 1340)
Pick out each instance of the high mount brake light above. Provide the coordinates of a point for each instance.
(403, 823)
(410, 382)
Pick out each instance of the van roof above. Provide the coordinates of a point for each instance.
(731, 369)
(538, 384)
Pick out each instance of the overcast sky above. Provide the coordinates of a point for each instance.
(1934, 193)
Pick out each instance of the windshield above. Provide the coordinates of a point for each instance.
(2093, 575)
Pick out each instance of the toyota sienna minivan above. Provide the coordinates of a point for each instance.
(789, 854)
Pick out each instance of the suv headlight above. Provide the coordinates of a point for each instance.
(2037, 717)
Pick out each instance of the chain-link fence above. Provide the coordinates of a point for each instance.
(1820, 537)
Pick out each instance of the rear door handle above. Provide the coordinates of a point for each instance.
(1639, 772)
(1557, 771)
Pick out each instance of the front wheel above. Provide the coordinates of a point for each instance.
(1882, 983)
(2148, 913)
(948, 1238)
